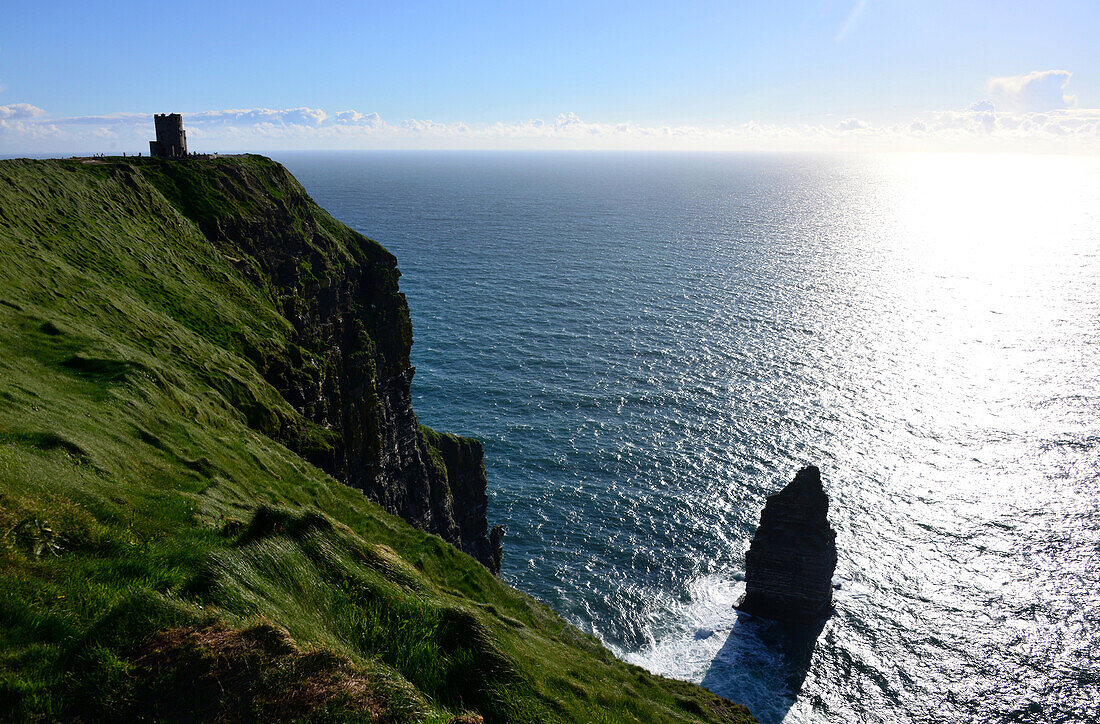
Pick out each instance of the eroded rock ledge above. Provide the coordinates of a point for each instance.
(789, 565)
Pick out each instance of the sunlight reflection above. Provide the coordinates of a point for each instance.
(988, 213)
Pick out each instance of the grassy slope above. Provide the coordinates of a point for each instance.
(154, 543)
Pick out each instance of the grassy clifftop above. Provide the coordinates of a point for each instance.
(170, 548)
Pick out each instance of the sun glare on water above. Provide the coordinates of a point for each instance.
(983, 258)
(991, 212)
(952, 302)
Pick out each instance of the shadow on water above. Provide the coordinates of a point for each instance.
(763, 665)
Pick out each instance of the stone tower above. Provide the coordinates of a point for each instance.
(171, 138)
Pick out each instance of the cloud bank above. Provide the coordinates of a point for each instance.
(1036, 92)
(1024, 113)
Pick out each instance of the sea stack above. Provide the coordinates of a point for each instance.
(789, 565)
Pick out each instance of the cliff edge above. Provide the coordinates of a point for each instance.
(344, 365)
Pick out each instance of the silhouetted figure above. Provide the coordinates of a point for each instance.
(496, 546)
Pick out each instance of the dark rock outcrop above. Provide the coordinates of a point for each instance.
(457, 466)
(789, 565)
(346, 368)
(496, 546)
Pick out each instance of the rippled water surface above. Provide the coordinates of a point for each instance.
(648, 345)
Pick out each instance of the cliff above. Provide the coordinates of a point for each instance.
(344, 362)
(790, 563)
(209, 464)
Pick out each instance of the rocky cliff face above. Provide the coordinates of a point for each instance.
(346, 368)
(789, 565)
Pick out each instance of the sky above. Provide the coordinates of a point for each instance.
(812, 74)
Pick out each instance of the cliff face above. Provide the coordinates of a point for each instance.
(346, 368)
(789, 565)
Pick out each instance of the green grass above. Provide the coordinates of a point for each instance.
(157, 535)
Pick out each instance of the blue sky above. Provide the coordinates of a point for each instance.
(817, 64)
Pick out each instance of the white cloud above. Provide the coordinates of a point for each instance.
(981, 107)
(285, 117)
(27, 129)
(20, 112)
(1038, 91)
(356, 118)
(851, 124)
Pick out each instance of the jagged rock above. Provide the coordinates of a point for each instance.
(789, 565)
(462, 475)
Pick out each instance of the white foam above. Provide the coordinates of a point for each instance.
(684, 645)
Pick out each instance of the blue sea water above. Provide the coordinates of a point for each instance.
(650, 344)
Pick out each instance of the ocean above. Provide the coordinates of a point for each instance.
(650, 344)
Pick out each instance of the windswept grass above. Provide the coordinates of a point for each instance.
(161, 552)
